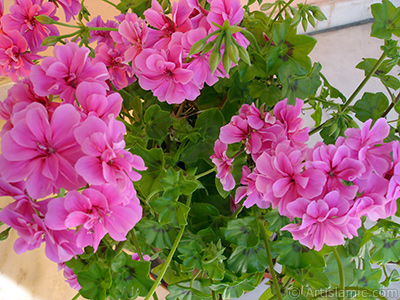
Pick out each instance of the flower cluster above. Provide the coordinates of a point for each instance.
(73, 148)
(327, 188)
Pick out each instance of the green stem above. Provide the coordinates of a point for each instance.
(136, 244)
(271, 15)
(355, 93)
(155, 296)
(205, 173)
(269, 255)
(102, 28)
(76, 297)
(169, 258)
(109, 2)
(341, 272)
(119, 247)
(391, 106)
(364, 82)
(282, 10)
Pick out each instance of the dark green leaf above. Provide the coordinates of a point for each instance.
(248, 260)
(387, 20)
(371, 106)
(170, 211)
(157, 122)
(213, 261)
(191, 254)
(176, 182)
(387, 249)
(243, 232)
(157, 235)
(348, 263)
(233, 289)
(95, 282)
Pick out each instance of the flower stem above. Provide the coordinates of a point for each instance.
(391, 106)
(109, 2)
(268, 249)
(282, 10)
(205, 173)
(357, 90)
(76, 296)
(169, 258)
(341, 273)
(137, 247)
(102, 28)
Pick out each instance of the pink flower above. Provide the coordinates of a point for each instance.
(71, 7)
(121, 74)
(338, 167)
(156, 18)
(288, 115)
(22, 18)
(61, 74)
(324, 221)
(224, 165)
(105, 160)
(14, 58)
(372, 201)
(102, 36)
(42, 150)
(250, 190)
(95, 101)
(96, 212)
(20, 95)
(287, 178)
(234, 132)
(135, 256)
(163, 74)
(366, 146)
(69, 276)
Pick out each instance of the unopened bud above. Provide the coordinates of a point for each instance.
(226, 62)
(50, 40)
(197, 47)
(215, 59)
(233, 53)
(43, 19)
(244, 55)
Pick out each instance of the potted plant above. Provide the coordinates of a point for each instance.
(167, 147)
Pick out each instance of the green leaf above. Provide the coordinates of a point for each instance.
(154, 161)
(156, 234)
(371, 106)
(232, 290)
(367, 277)
(348, 263)
(317, 278)
(203, 215)
(388, 80)
(393, 277)
(208, 125)
(189, 291)
(95, 282)
(131, 275)
(387, 249)
(387, 20)
(213, 261)
(176, 182)
(243, 232)
(157, 122)
(169, 210)
(248, 260)
(190, 254)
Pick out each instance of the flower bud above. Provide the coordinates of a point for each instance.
(214, 61)
(50, 40)
(244, 55)
(197, 47)
(43, 19)
(226, 62)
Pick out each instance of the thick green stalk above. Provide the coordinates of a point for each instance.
(364, 82)
(206, 173)
(109, 2)
(269, 255)
(282, 10)
(341, 274)
(169, 258)
(76, 297)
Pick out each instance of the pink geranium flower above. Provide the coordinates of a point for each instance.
(42, 150)
(324, 221)
(163, 74)
(96, 101)
(61, 74)
(22, 18)
(121, 74)
(249, 189)
(102, 36)
(105, 160)
(70, 276)
(338, 167)
(71, 7)
(96, 212)
(366, 145)
(156, 18)
(14, 58)
(289, 116)
(224, 165)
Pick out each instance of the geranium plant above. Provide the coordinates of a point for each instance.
(167, 147)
